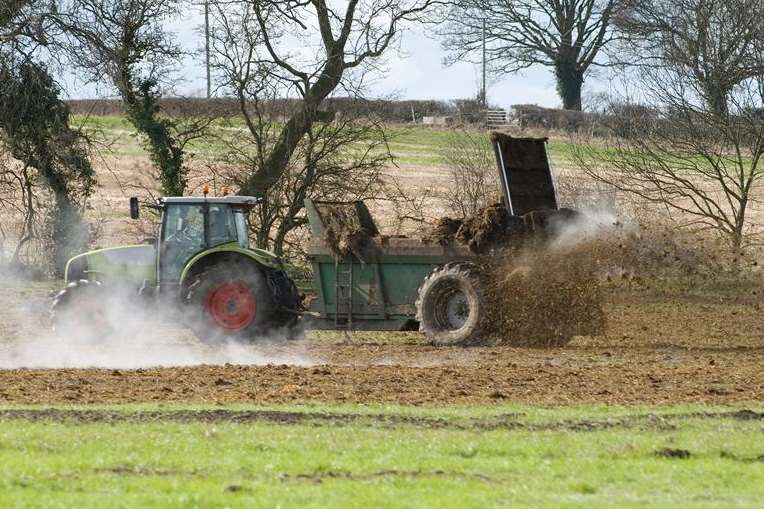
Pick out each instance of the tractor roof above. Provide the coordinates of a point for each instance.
(231, 200)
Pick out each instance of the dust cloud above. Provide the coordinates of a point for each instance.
(592, 225)
(127, 336)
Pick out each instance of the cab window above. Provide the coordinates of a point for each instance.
(222, 225)
(242, 232)
(182, 237)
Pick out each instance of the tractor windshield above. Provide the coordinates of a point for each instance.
(182, 236)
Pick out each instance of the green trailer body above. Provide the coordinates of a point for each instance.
(379, 292)
(375, 293)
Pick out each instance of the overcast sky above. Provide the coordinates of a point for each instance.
(415, 72)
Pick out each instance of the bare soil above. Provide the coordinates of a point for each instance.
(657, 349)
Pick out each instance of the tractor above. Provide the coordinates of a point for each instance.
(201, 263)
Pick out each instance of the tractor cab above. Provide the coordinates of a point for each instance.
(191, 225)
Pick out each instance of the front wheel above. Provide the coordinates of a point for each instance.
(450, 305)
(231, 300)
(81, 311)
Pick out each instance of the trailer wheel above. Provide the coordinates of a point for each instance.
(81, 311)
(229, 300)
(450, 305)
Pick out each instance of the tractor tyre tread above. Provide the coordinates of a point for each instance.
(203, 326)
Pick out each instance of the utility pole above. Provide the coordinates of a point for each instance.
(207, 45)
(482, 91)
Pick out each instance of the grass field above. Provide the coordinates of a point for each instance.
(376, 456)
(409, 145)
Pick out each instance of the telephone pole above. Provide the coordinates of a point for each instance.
(482, 91)
(207, 45)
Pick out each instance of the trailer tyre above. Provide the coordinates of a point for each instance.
(450, 305)
(230, 301)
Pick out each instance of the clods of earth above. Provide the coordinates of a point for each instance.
(655, 350)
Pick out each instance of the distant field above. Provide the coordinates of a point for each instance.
(350, 456)
(410, 145)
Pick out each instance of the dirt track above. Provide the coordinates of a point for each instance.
(657, 350)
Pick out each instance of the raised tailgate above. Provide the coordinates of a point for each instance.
(526, 178)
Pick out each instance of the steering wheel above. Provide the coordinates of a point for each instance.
(180, 236)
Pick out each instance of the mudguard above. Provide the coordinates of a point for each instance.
(260, 256)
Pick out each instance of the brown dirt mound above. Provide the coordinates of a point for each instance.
(486, 228)
(492, 228)
(443, 231)
(345, 234)
(544, 297)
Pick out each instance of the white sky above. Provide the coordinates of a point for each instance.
(414, 72)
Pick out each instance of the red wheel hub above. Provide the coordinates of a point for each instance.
(231, 305)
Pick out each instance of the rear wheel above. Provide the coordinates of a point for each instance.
(230, 300)
(80, 311)
(450, 305)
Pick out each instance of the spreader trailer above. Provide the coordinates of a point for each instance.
(409, 284)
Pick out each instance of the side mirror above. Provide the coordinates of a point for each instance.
(134, 207)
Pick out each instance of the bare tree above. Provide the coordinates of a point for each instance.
(125, 41)
(327, 165)
(11, 24)
(20, 206)
(312, 49)
(339, 158)
(25, 24)
(565, 35)
(474, 177)
(717, 44)
(690, 160)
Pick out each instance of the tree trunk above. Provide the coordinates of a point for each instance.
(570, 80)
(295, 129)
(277, 161)
(70, 233)
(716, 97)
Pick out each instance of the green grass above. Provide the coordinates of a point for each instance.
(413, 145)
(96, 122)
(410, 145)
(366, 464)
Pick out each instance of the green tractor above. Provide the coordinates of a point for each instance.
(201, 263)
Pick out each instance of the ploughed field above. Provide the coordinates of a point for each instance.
(656, 350)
